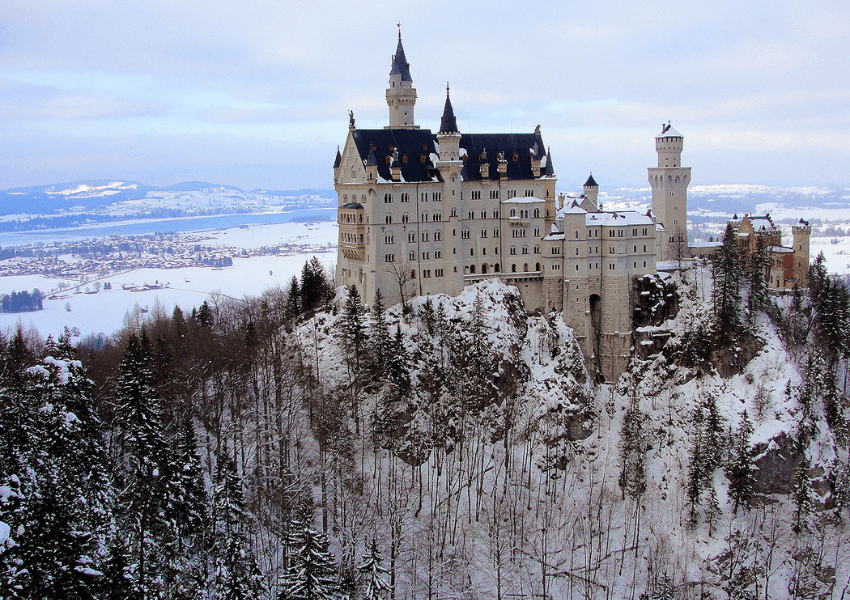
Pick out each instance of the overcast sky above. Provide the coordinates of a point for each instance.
(255, 93)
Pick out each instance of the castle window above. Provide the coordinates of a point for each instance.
(389, 239)
(644, 230)
(437, 217)
(411, 237)
(576, 267)
(438, 235)
(525, 249)
(513, 250)
(476, 195)
(454, 212)
(619, 233)
(438, 196)
(389, 258)
(644, 249)
(464, 234)
(423, 197)
(644, 263)
(411, 255)
(556, 250)
(483, 251)
(516, 157)
(513, 268)
(494, 194)
(424, 236)
(495, 233)
(576, 251)
(496, 250)
(424, 217)
(537, 251)
(484, 233)
(405, 218)
(438, 254)
(525, 267)
(405, 197)
(471, 215)
(426, 256)
(576, 234)
(536, 213)
(388, 219)
(472, 251)
(536, 232)
(426, 273)
(511, 194)
(610, 249)
(610, 233)
(438, 272)
(483, 214)
(413, 274)
(513, 212)
(404, 158)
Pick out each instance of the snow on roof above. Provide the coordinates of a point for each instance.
(705, 244)
(761, 223)
(526, 200)
(618, 218)
(780, 249)
(668, 132)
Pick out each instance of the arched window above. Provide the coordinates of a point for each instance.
(513, 268)
(472, 269)
(536, 213)
(389, 219)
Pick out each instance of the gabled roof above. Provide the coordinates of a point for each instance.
(591, 182)
(448, 123)
(400, 65)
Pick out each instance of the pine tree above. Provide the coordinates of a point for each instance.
(354, 326)
(379, 334)
(727, 286)
(758, 297)
(632, 452)
(372, 574)
(311, 574)
(143, 504)
(237, 574)
(802, 491)
(740, 469)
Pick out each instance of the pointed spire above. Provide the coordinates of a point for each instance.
(338, 160)
(591, 182)
(448, 124)
(400, 65)
(372, 160)
(549, 171)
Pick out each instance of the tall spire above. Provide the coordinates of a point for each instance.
(448, 124)
(400, 65)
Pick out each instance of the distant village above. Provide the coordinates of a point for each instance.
(89, 260)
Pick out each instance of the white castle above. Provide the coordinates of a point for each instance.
(423, 213)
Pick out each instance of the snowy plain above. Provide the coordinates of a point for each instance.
(104, 312)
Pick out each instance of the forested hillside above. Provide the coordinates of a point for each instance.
(302, 445)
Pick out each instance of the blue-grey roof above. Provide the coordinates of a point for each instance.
(448, 124)
(400, 64)
(509, 145)
(338, 158)
(591, 182)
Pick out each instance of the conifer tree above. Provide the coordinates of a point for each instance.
(311, 574)
(632, 452)
(758, 298)
(373, 575)
(237, 574)
(802, 491)
(379, 334)
(727, 286)
(739, 471)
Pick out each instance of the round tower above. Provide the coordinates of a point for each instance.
(450, 165)
(401, 95)
(591, 190)
(669, 182)
(802, 231)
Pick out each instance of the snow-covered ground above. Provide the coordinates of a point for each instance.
(104, 311)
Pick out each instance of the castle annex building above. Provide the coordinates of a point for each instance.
(427, 213)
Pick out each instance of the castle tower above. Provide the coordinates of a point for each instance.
(401, 95)
(802, 231)
(450, 165)
(591, 192)
(669, 182)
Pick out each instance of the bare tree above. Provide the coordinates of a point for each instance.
(679, 246)
(403, 277)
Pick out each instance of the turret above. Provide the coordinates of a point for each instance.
(591, 192)
(801, 234)
(448, 138)
(669, 182)
(401, 95)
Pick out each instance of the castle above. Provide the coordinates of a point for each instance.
(423, 213)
